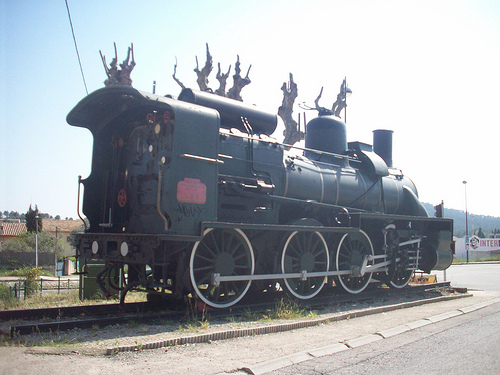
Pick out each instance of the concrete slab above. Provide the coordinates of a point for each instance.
(274, 364)
(355, 343)
(486, 303)
(468, 309)
(393, 331)
(328, 350)
(447, 315)
(418, 323)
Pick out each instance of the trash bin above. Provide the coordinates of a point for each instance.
(89, 289)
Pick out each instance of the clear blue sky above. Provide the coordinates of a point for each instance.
(429, 70)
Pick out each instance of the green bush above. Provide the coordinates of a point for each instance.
(32, 277)
(7, 297)
(24, 272)
(47, 243)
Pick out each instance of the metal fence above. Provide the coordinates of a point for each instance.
(54, 285)
(20, 259)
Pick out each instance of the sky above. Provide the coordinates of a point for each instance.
(428, 70)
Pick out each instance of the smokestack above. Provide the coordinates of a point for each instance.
(382, 145)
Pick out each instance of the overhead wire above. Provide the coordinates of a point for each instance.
(76, 47)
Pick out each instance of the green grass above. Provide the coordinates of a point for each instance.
(69, 298)
(23, 272)
(495, 258)
(7, 297)
(284, 309)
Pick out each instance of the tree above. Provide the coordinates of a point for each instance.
(11, 215)
(203, 74)
(47, 243)
(32, 217)
(238, 82)
(222, 78)
(202, 77)
(480, 233)
(285, 111)
(119, 76)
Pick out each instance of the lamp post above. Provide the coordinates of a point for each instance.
(466, 223)
(36, 242)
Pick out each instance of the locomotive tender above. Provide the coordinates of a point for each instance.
(195, 197)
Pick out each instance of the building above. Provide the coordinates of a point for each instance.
(60, 229)
(10, 230)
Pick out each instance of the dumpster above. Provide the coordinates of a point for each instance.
(89, 288)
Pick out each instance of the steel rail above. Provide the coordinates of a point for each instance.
(71, 311)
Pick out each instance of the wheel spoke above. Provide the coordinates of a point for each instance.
(215, 243)
(205, 258)
(241, 256)
(199, 269)
(204, 279)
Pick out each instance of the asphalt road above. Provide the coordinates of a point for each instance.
(474, 276)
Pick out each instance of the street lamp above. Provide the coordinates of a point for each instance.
(466, 223)
(36, 242)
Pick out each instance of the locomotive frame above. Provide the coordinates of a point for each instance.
(196, 198)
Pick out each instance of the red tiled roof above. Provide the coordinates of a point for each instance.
(50, 225)
(12, 229)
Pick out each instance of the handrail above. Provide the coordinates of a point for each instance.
(78, 203)
(158, 202)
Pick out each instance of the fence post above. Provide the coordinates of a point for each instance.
(58, 284)
(41, 286)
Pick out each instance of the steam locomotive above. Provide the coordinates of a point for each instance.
(193, 197)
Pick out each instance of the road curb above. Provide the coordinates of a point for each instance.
(328, 350)
(360, 341)
(393, 331)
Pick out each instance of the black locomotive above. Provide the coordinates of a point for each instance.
(195, 197)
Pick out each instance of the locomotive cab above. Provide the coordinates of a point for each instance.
(145, 155)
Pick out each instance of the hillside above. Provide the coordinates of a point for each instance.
(487, 223)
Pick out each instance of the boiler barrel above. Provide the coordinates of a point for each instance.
(349, 187)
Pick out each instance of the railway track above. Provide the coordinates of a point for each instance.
(71, 311)
(84, 317)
